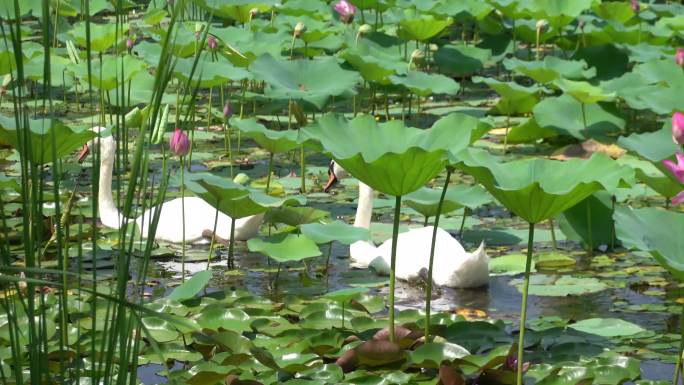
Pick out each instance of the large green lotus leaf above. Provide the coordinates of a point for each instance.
(426, 200)
(574, 222)
(550, 69)
(530, 131)
(561, 285)
(60, 70)
(537, 189)
(248, 47)
(421, 27)
(295, 216)
(461, 60)
(285, 247)
(232, 198)
(653, 173)
(376, 57)
(102, 36)
(212, 73)
(238, 10)
(335, 231)
(311, 8)
(271, 140)
(42, 134)
(558, 13)
(461, 10)
(312, 80)
(582, 91)
(654, 146)
(217, 316)
(345, 295)
(653, 230)
(466, 127)
(431, 355)
(159, 329)
(607, 327)
(662, 71)
(108, 75)
(564, 114)
(608, 60)
(659, 99)
(425, 84)
(390, 157)
(191, 287)
(515, 98)
(619, 11)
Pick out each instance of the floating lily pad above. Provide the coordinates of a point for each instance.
(561, 286)
(607, 327)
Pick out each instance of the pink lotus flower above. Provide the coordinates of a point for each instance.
(678, 128)
(679, 57)
(677, 169)
(179, 143)
(346, 10)
(212, 43)
(129, 43)
(227, 111)
(635, 6)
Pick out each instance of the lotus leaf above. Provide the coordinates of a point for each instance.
(107, 75)
(209, 73)
(607, 327)
(425, 84)
(515, 99)
(287, 248)
(431, 355)
(426, 200)
(550, 69)
(558, 13)
(561, 286)
(191, 287)
(643, 229)
(564, 114)
(421, 27)
(102, 36)
(461, 60)
(271, 140)
(583, 92)
(538, 189)
(390, 157)
(238, 10)
(314, 81)
(594, 230)
(335, 231)
(295, 216)
(376, 58)
(345, 295)
(43, 131)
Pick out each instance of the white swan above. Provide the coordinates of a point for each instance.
(199, 215)
(452, 266)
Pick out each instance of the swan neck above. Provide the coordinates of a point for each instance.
(364, 210)
(109, 213)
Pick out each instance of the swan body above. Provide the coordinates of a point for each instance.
(199, 215)
(452, 265)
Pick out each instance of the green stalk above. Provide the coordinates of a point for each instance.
(231, 255)
(182, 189)
(553, 234)
(302, 169)
(523, 306)
(270, 171)
(584, 121)
(213, 238)
(393, 265)
(428, 292)
(590, 236)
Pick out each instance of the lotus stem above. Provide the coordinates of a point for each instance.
(182, 190)
(584, 121)
(231, 245)
(590, 236)
(327, 259)
(270, 171)
(302, 169)
(428, 292)
(523, 306)
(508, 126)
(426, 221)
(554, 244)
(393, 265)
(342, 314)
(466, 212)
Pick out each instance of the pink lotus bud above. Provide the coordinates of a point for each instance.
(212, 43)
(179, 143)
(677, 169)
(635, 6)
(129, 43)
(679, 57)
(227, 111)
(346, 10)
(678, 128)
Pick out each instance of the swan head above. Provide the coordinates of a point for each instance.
(335, 173)
(106, 144)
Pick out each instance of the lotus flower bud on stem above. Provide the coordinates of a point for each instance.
(636, 7)
(346, 10)
(299, 29)
(677, 170)
(679, 57)
(179, 143)
(212, 43)
(364, 29)
(678, 128)
(227, 110)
